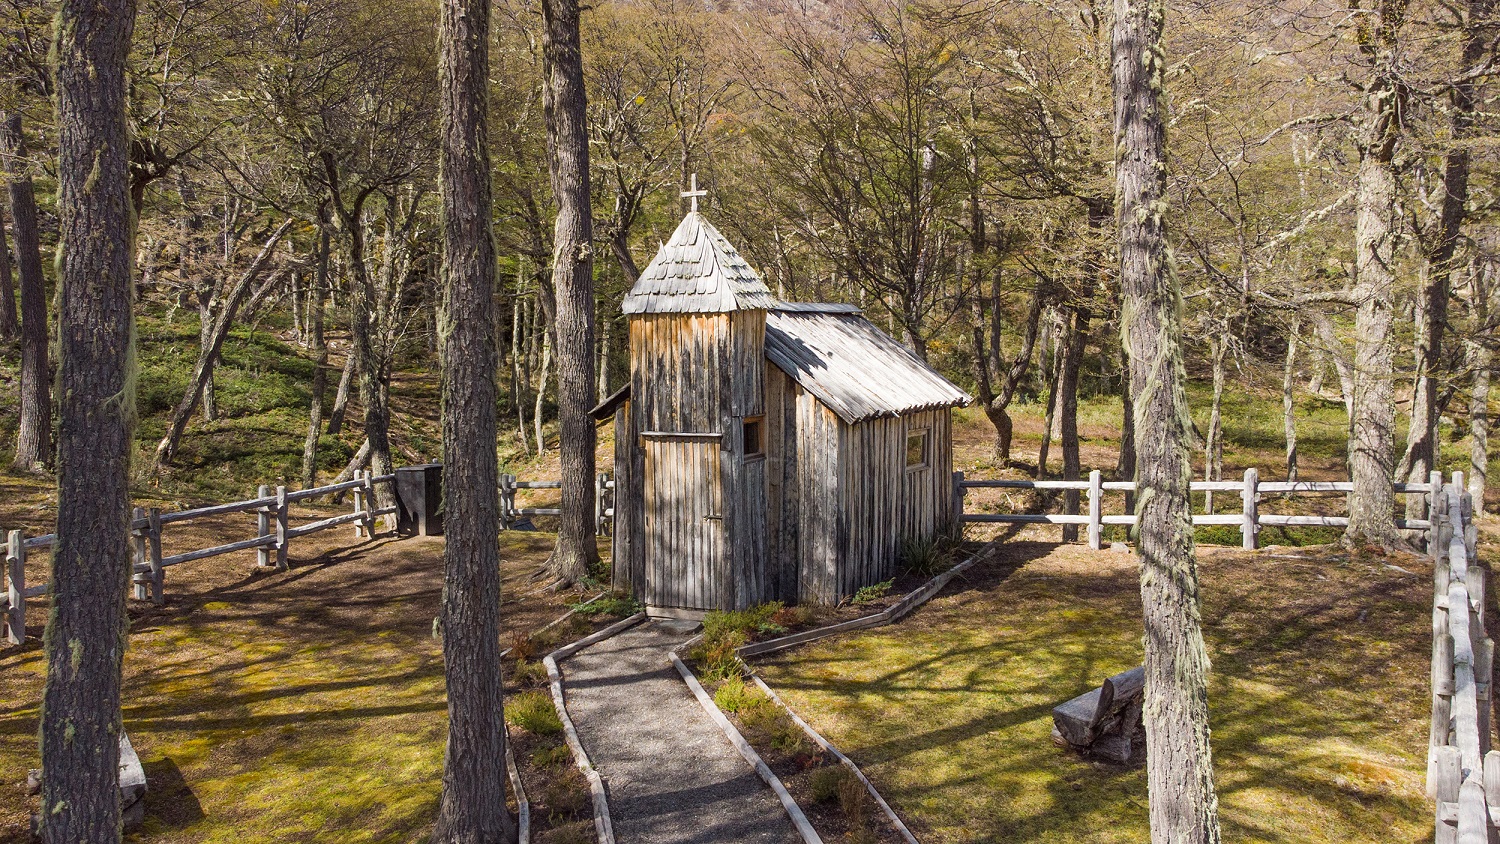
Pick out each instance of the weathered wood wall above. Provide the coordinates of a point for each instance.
(841, 499)
(629, 528)
(696, 374)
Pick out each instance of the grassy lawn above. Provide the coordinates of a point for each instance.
(1318, 698)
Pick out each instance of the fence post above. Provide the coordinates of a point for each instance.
(262, 527)
(158, 574)
(359, 505)
(507, 500)
(1446, 781)
(1434, 492)
(958, 503)
(1096, 510)
(281, 541)
(599, 480)
(15, 587)
(1251, 509)
(138, 578)
(369, 490)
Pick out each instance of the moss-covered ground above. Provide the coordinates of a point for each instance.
(305, 706)
(1318, 697)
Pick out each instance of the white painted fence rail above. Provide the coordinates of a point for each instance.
(273, 534)
(1463, 773)
(510, 514)
(1249, 520)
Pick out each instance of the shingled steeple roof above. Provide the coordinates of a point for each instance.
(697, 271)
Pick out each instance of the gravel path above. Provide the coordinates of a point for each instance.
(671, 774)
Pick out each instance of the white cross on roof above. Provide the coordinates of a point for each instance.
(693, 193)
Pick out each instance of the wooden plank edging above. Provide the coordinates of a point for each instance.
(889, 615)
(523, 808)
(603, 828)
(799, 819)
(848, 763)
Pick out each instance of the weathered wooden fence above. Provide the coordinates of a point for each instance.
(510, 514)
(1462, 771)
(273, 535)
(1249, 520)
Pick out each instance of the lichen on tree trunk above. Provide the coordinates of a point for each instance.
(1183, 805)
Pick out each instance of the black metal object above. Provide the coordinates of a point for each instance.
(419, 500)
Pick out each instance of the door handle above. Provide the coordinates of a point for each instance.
(715, 518)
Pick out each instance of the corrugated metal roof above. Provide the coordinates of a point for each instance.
(856, 369)
(697, 271)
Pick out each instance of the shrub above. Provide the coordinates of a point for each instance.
(771, 725)
(565, 793)
(921, 557)
(735, 695)
(873, 592)
(798, 616)
(854, 800)
(529, 674)
(522, 646)
(534, 713)
(546, 757)
(827, 781)
(725, 631)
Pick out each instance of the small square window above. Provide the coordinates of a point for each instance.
(916, 449)
(755, 440)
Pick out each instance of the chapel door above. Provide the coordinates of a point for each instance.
(685, 559)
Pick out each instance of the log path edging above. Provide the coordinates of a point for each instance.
(603, 828)
(799, 819)
(890, 615)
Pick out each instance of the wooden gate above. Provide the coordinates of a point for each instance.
(685, 560)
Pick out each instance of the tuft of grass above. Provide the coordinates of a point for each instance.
(615, 604)
(735, 695)
(548, 756)
(826, 782)
(922, 556)
(533, 712)
(873, 592)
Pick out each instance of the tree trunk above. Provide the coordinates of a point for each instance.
(541, 391)
(517, 360)
(9, 323)
(565, 111)
(1179, 766)
(318, 297)
(87, 625)
(1333, 348)
(1422, 434)
(472, 810)
(1372, 504)
(1288, 400)
(604, 338)
(1072, 362)
(341, 397)
(368, 367)
(1047, 423)
(34, 441)
(1481, 359)
(1213, 451)
(211, 346)
(1125, 467)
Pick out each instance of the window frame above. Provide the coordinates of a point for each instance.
(759, 426)
(923, 432)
